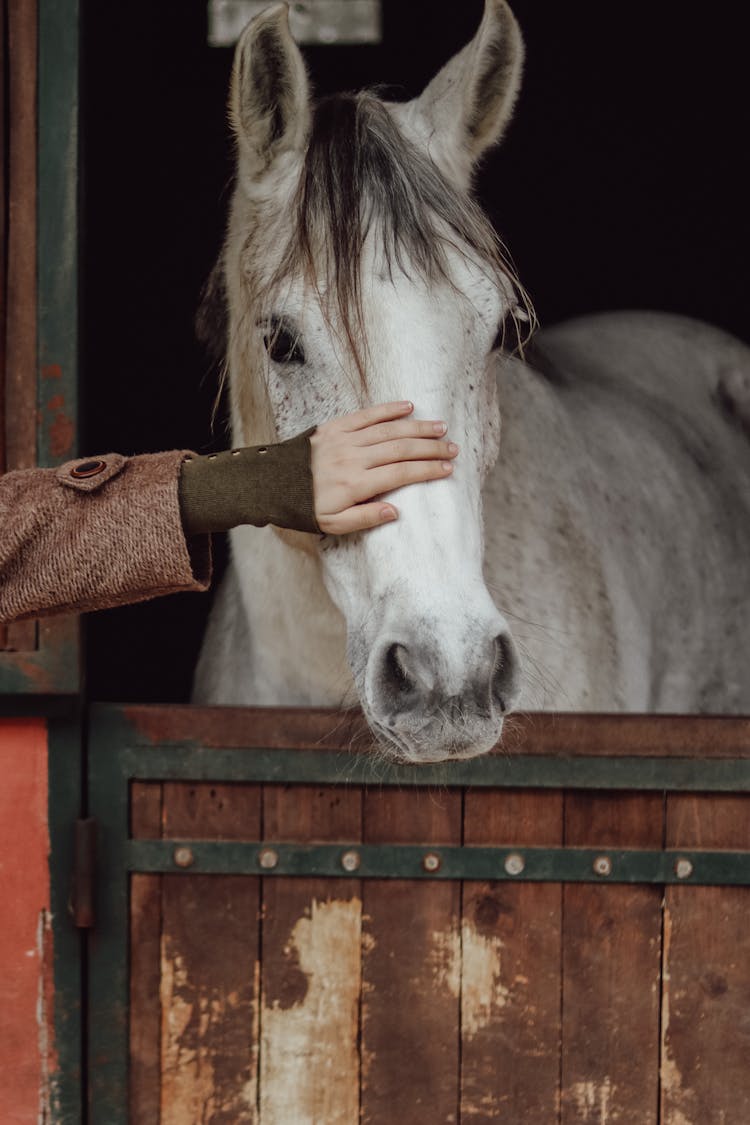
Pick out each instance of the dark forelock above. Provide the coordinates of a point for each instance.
(361, 173)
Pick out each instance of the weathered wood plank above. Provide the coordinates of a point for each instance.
(706, 1004)
(20, 325)
(19, 305)
(611, 969)
(210, 966)
(510, 994)
(144, 1072)
(3, 238)
(411, 974)
(309, 1024)
(689, 736)
(3, 254)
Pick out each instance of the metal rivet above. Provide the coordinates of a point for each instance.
(268, 858)
(350, 861)
(603, 865)
(683, 868)
(514, 863)
(431, 862)
(183, 857)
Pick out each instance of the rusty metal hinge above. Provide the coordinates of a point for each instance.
(84, 871)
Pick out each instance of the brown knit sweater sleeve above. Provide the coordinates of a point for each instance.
(95, 533)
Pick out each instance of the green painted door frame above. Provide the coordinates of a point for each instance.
(46, 682)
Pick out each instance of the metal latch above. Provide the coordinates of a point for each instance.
(310, 21)
(84, 872)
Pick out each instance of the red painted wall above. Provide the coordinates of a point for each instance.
(25, 934)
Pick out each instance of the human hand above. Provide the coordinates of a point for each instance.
(372, 451)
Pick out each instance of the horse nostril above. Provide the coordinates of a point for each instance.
(396, 670)
(504, 671)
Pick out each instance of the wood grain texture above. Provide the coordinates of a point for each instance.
(706, 1007)
(18, 331)
(20, 323)
(210, 966)
(3, 236)
(144, 1072)
(611, 970)
(411, 974)
(309, 1022)
(510, 993)
(592, 735)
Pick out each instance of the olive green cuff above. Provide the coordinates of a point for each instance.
(261, 485)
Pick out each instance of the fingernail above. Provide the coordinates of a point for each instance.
(448, 466)
(388, 514)
(452, 447)
(440, 427)
(406, 405)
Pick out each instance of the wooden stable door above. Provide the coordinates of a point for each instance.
(305, 951)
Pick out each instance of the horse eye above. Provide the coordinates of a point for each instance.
(283, 344)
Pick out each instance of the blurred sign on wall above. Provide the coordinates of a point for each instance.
(320, 22)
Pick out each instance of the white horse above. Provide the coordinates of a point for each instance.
(615, 541)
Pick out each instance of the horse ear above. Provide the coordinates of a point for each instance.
(468, 104)
(269, 98)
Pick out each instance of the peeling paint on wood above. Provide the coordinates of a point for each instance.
(592, 1102)
(191, 1057)
(309, 1054)
(510, 1049)
(209, 967)
(469, 966)
(706, 974)
(611, 970)
(676, 1094)
(410, 1006)
(46, 1016)
(28, 1050)
(483, 992)
(62, 432)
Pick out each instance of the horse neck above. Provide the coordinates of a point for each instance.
(297, 636)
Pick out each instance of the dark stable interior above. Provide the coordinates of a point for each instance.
(620, 184)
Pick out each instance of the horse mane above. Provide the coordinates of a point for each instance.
(360, 173)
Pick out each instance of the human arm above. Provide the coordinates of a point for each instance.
(94, 533)
(112, 530)
(322, 480)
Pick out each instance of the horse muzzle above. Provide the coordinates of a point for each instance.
(428, 703)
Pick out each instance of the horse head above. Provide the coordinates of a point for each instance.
(358, 269)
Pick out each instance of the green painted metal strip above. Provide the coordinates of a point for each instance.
(322, 767)
(108, 945)
(66, 1100)
(409, 861)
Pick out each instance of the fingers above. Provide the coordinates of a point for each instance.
(371, 415)
(368, 453)
(358, 518)
(385, 422)
(410, 449)
(387, 478)
(402, 428)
